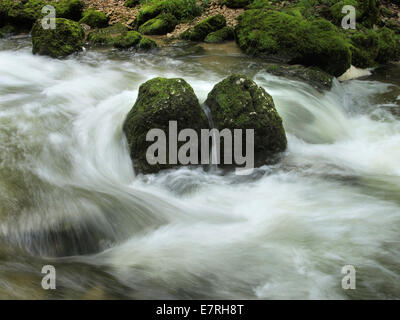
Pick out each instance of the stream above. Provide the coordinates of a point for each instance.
(69, 196)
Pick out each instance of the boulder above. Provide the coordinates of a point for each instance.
(66, 38)
(293, 39)
(105, 36)
(237, 102)
(162, 24)
(94, 18)
(200, 31)
(127, 40)
(220, 35)
(131, 3)
(159, 101)
(315, 77)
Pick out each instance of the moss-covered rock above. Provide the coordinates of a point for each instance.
(162, 24)
(131, 3)
(371, 47)
(236, 3)
(180, 9)
(238, 102)
(367, 11)
(200, 31)
(294, 40)
(127, 40)
(147, 44)
(66, 38)
(105, 36)
(160, 100)
(23, 13)
(315, 77)
(221, 35)
(94, 18)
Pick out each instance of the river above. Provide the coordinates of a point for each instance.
(70, 198)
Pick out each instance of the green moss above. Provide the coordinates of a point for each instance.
(131, 3)
(127, 40)
(65, 39)
(94, 18)
(162, 24)
(294, 39)
(221, 35)
(237, 102)
(23, 14)
(236, 3)
(105, 36)
(147, 44)
(180, 9)
(367, 11)
(371, 47)
(69, 9)
(259, 4)
(200, 31)
(336, 11)
(159, 101)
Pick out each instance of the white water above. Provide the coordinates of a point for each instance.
(284, 232)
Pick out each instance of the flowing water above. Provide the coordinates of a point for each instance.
(70, 198)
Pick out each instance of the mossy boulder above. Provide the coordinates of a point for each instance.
(315, 77)
(160, 100)
(127, 40)
(236, 3)
(221, 35)
(147, 44)
(294, 40)
(24, 13)
(180, 9)
(237, 102)
(200, 31)
(66, 38)
(162, 24)
(94, 18)
(372, 47)
(105, 36)
(367, 11)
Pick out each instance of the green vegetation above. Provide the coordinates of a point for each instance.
(200, 31)
(181, 9)
(67, 38)
(131, 3)
(23, 14)
(147, 44)
(105, 36)
(94, 18)
(294, 38)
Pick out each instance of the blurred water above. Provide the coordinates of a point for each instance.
(69, 196)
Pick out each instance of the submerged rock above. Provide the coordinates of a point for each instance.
(66, 38)
(200, 31)
(294, 39)
(313, 76)
(238, 102)
(160, 100)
